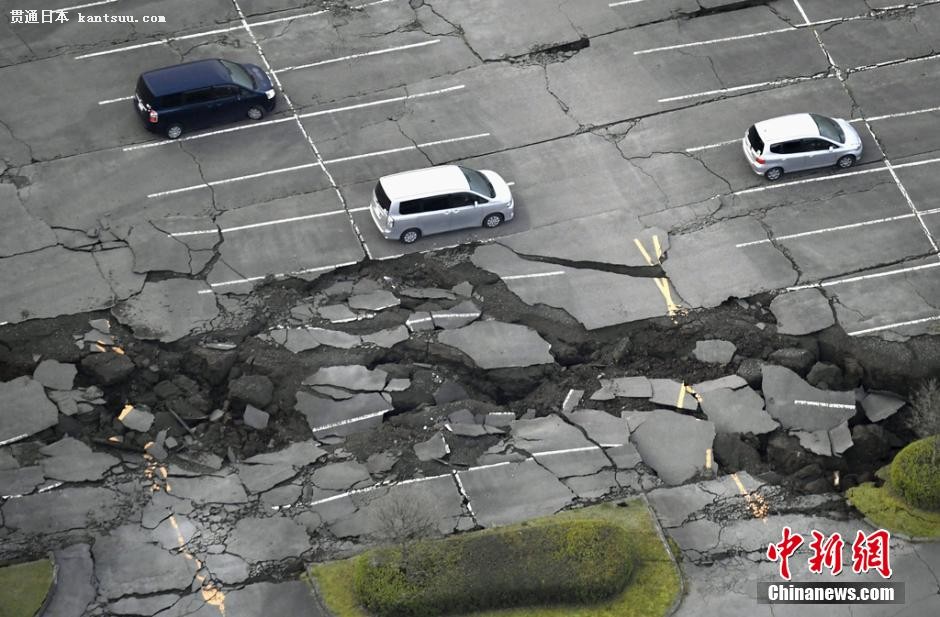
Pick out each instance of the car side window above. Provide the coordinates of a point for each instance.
(436, 204)
(171, 100)
(459, 200)
(786, 147)
(225, 92)
(815, 145)
(412, 206)
(199, 96)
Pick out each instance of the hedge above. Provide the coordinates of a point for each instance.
(915, 476)
(560, 562)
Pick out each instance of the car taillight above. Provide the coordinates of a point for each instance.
(760, 160)
(153, 116)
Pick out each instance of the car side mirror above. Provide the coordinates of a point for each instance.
(476, 203)
(832, 148)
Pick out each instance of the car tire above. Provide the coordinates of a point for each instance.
(493, 220)
(174, 131)
(846, 161)
(255, 112)
(410, 236)
(774, 173)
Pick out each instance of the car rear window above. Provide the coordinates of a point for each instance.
(381, 197)
(478, 182)
(143, 92)
(757, 144)
(829, 128)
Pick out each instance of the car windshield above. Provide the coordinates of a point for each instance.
(239, 75)
(478, 182)
(829, 128)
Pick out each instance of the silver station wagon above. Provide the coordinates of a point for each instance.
(800, 141)
(411, 204)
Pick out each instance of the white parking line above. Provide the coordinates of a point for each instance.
(894, 325)
(889, 219)
(864, 277)
(623, 2)
(252, 279)
(212, 183)
(821, 404)
(515, 277)
(356, 56)
(777, 82)
(903, 114)
(310, 114)
(117, 100)
(710, 146)
(184, 37)
(802, 12)
(292, 219)
(13, 439)
(404, 148)
(724, 39)
(368, 416)
(83, 6)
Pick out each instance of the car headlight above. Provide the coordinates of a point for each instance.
(270, 93)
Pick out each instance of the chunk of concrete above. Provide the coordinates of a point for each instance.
(168, 310)
(342, 476)
(714, 351)
(387, 338)
(267, 539)
(74, 587)
(670, 393)
(880, 406)
(803, 311)
(457, 317)
(375, 301)
(658, 441)
(136, 419)
(493, 344)
(257, 390)
(737, 411)
(513, 493)
(255, 418)
(349, 377)
(799, 406)
(55, 375)
(298, 454)
(24, 409)
(434, 448)
(628, 387)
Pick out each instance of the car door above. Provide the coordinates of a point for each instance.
(436, 216)
(226, 104)
(196, 110)
(788, 155)
(462, 211)
(818, 152)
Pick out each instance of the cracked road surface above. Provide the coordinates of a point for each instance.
(618, 125)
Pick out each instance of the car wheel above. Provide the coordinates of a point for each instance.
(174, 131)
(493, 220)
(773, 173)
(255, 113)
(846, 161)
(410, 236)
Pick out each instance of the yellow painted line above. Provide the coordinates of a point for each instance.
(662, 283)
(708, 458)
(640, 246)
(681, 398)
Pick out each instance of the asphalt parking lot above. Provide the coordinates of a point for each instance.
(618, 125)
(644, 122)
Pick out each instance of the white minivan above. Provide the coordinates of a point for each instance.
(411, 204)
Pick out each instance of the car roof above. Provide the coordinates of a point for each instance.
(424, 182)
(785, 128)
(182, 77)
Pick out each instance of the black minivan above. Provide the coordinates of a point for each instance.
(199, 94)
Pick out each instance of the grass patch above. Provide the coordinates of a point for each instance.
(915, 473)
(650, 593)
(23, 587)
(887, 510)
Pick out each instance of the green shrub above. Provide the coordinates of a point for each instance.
(23, 587)
(915, 474)
(559, 562)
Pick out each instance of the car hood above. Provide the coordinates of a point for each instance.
(499, 185)
(261, 78)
